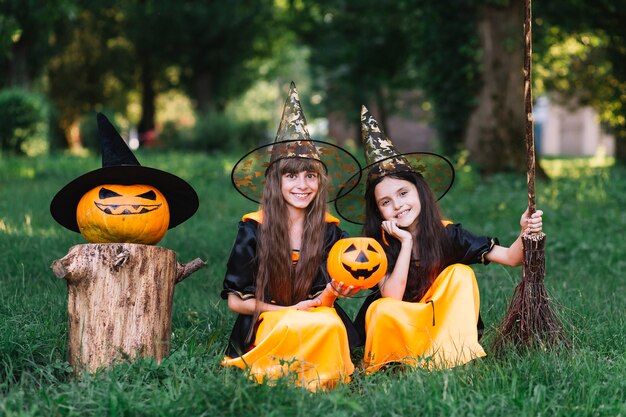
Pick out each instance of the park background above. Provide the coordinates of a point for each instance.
(194, 84)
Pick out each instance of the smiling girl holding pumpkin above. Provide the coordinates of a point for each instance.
(427, 308)
(276, 278)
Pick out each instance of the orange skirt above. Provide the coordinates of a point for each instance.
(437, 332)
(308, 347)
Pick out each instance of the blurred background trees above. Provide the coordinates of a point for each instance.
(210, 75)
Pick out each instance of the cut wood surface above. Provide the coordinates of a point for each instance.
(120, 299)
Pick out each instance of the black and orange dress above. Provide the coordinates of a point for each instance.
(312, 347)
(440, 330)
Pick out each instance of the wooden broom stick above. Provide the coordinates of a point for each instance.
(530, 320)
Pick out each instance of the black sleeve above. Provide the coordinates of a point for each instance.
(241, 266)
(467, 248)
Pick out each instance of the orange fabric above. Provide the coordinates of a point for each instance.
(258, 217)
(309, 348)
(437, 332)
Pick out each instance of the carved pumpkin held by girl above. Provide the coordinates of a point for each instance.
(123, 202)
(276, 278)
(426, 309)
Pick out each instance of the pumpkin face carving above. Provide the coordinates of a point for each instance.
(357, 261)
(113, 213)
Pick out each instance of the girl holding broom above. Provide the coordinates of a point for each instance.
(276, 279)
(427, 307)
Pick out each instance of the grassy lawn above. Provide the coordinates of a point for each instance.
(585, 221)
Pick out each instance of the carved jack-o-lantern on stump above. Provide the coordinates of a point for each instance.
(120, 289)
(119, 301)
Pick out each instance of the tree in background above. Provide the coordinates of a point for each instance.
(359, 52)
(93, 70)
(27, 30)
(445, 52)
(494, 134)
(155, 31)
(222, 44)
(465, 55)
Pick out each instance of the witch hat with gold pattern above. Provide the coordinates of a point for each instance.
(382, 158)
(293, 141)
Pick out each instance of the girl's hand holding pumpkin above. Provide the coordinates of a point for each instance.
(336, 289)
(307, 305)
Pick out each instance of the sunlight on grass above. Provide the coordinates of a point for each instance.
(583, 207)
(574, 167)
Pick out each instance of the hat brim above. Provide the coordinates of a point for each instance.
(181, 197)
(248, 174)
(436, 169)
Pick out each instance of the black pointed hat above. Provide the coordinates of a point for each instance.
(119, 166)
(382, 158)
(293, 141)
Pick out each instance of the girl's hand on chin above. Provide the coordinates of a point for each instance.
(391, 228)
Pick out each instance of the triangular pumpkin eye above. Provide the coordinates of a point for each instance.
(350, 248)
(150, 195)
(371, 248)
(106, 193)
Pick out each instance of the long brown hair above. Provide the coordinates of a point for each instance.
(277, 280)
(430, 239)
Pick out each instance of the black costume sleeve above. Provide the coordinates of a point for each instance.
(241, 266)
(466, 247)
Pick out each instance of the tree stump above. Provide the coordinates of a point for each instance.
(120, 299)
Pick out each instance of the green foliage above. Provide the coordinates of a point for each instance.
(597, 75)
(360, 51)
(94, 68)
(446, 52)
(24, 122)
(28, 29)
(221, 46)
(215, 132)
(583, 208)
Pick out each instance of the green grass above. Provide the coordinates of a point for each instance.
(585, 221)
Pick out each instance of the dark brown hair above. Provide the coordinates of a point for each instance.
(276, 279)
(429, 240)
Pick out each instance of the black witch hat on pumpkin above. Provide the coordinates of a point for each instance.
(382, 158)
(119, 166)
(293, 141)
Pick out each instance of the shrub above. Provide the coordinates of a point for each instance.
(24, 122)
(214, 132)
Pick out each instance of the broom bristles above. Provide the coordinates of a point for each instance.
(530, 320)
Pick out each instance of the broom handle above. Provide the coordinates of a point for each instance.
(528, 107)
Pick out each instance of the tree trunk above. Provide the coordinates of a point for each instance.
(19, 74)
(119, 301)
(204, 93)
(148, 105)
(620, 150)
(495, 131)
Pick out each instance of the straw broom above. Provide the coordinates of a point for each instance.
(530, 320)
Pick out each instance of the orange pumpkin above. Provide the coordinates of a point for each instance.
(357, 261)
(123, 214)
